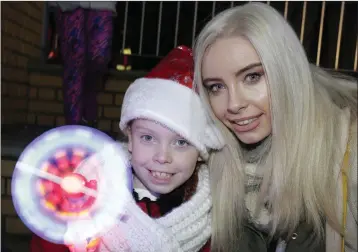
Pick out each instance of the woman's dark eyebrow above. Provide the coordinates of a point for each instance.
(240, 71)
(248, 67)
(205, 81)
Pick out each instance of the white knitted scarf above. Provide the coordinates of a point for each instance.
(191, 222)
(186, 228)
(261, 219)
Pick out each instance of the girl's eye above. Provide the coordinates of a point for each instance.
(182, 143)
(146, 138)
(253, 78)
(213, 88)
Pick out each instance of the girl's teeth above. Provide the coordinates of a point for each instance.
(161, 174)
(242, 123)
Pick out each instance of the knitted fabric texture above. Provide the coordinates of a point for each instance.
(186, 228)
(261, 219)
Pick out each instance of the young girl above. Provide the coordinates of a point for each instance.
(169, 138)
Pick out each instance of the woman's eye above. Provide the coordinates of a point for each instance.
(182, 143)
(215, 87)
(146, 138)
(253, 78)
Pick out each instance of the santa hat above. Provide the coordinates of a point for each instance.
(165, 95)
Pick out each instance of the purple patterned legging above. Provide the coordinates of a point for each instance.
(86, 41)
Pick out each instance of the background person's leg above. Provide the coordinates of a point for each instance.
(99, 29)
(73, 49)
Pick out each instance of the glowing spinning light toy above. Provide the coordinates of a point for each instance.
(69, 185)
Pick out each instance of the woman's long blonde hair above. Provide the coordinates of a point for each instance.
(305, 106)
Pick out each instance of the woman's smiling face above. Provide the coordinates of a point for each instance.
(234, 78)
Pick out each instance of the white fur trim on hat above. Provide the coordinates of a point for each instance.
(173, 105)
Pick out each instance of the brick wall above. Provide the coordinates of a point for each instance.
(12, 224)
(21, 25)
(46, 101)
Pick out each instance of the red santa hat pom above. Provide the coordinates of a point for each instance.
(165, 95)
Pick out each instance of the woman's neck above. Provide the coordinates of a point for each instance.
(254, 153)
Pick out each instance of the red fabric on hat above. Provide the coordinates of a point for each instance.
(178, 66)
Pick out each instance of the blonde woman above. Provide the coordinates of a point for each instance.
(291, 132)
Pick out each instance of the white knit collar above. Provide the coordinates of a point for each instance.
(190, 223)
